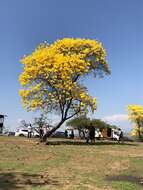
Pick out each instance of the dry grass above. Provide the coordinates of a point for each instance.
(73, 165)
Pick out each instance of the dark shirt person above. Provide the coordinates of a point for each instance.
(92, 134)
(72, 135)
(120, 136)
(41, 132)
(66, 133)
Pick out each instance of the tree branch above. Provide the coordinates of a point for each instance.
(73, 115)
(68, 107)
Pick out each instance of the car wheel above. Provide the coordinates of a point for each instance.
(36, 136)
(21, 135)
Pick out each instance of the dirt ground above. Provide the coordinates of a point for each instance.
(26, 164)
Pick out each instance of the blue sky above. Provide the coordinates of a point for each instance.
(118, 24)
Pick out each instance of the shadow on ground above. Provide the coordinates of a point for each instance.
(126, 178)
(13, 181)
(82, 143)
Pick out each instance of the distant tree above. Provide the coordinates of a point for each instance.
(98, 123)
(135, 113)
(23, 124)
(80, 123)
(52, 75)
(41, 121)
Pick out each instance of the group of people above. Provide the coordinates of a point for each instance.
(120, 135)
(42, 130)
(90, 135)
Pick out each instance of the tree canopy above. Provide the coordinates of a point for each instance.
(79, 123)
(83, 122)
(52, 73)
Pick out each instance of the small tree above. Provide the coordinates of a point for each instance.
(52, 75)
(41, 121)
(23, 124)
(135, 113)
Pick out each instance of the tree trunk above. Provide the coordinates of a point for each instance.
(49, 133)
(139, 134)
(139, 130)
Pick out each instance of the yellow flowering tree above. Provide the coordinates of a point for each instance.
(135, 113)
(52, 75)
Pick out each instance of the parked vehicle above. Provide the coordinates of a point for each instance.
(58, 134)
(9, 133)
(24, 133)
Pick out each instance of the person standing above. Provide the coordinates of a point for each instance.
(120, 133)
(87, 135)
(41, 132)
(45, 130)
(66, 133)
(72, 134)
(29, 131)
(92, 134)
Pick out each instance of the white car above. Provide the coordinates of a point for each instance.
(24, 133)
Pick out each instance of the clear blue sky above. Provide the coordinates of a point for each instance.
(118, 24)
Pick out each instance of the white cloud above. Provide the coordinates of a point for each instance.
(116, 118)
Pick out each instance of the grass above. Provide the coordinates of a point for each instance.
(69, 165)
